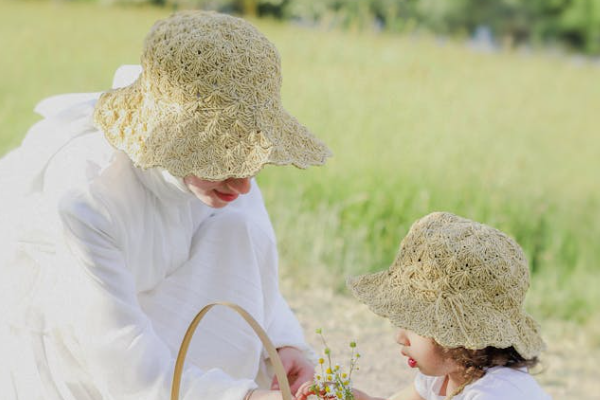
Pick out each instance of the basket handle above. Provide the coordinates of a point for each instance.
(185, 344)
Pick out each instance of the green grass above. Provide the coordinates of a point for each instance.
(508, 139)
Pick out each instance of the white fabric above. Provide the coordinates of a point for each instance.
(103, 266)
(499, 383)
(126, 75)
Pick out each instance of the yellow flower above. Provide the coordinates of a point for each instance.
(344, 375)
(321, 361)
(328, 370)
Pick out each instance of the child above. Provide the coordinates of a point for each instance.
(456, 292)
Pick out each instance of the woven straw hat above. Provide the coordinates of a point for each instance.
(459, 282)
(207, 103)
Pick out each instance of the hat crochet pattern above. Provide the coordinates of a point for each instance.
(207, 103)
(457, 281)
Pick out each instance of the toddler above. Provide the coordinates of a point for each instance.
(456, 292)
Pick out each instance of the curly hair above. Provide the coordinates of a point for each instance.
(475, 362)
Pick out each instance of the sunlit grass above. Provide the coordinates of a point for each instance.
(509, 139)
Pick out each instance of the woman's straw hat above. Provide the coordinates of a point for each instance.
(207, 103)
(459, 282)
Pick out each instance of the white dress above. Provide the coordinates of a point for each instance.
(499, 383)
(104, 265)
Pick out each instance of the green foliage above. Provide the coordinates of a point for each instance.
(581, 22)
(513, 22)
(576, 22)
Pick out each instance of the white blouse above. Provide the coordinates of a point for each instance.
(499, 383)
(104, 265)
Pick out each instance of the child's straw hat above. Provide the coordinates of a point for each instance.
(207, 103)
(459, 282)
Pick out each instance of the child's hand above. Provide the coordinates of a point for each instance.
(307, 390)
(304, 391)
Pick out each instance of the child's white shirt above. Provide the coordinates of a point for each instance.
(499, 383)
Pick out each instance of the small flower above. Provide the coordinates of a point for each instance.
(332, 382)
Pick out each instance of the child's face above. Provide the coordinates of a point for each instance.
(217, 194)
(423, 353)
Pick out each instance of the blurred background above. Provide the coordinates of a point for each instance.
(484, 108)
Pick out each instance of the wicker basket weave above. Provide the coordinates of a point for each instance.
(275, 360)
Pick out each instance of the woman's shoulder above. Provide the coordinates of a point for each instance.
(106, 185)
(110, 202)
(503, 383)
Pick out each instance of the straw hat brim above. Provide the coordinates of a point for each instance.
(450, 323)
(156, 134)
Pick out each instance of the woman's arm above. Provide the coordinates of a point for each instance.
(120, 347)
(282, 326)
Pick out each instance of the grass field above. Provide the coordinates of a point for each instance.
(510, 139)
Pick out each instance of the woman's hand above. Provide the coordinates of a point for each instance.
(297, 368)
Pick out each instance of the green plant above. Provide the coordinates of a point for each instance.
(332, 382)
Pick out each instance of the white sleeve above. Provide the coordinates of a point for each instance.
(283, 328)
(505, 383)
(121, 349)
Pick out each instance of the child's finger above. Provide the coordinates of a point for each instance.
(304, 391)
(301, 396)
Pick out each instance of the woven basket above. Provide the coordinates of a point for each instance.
(185, 344)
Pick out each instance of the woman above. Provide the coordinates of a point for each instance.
(123, 215)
